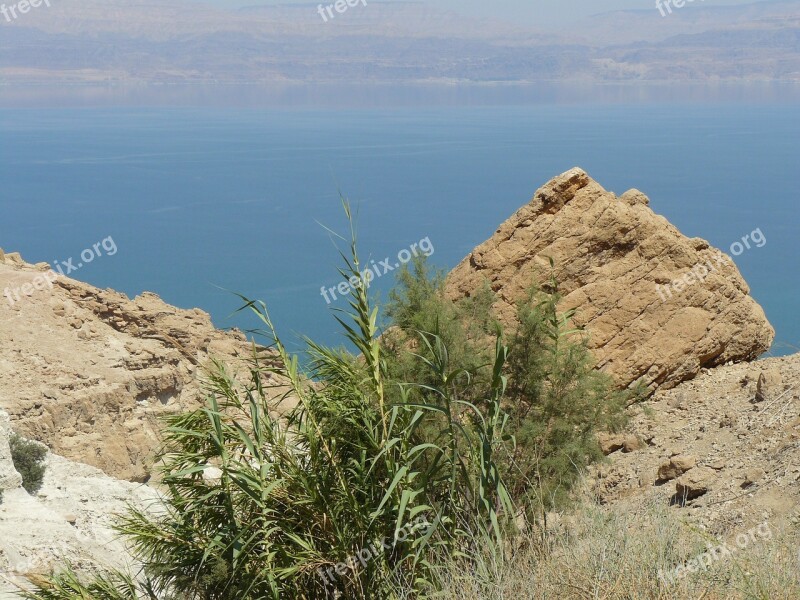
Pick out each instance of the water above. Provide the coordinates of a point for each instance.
(216, 198)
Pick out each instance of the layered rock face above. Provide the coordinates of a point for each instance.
(9, 478)
(88, 372)
(70, 519)
(657, 306)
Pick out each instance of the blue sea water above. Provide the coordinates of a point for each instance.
(206, 199)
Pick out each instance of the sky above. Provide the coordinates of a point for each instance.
(527, 12)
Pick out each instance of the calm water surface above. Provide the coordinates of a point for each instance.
(216, 197)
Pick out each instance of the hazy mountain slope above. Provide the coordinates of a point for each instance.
(649, 26)
(395, 41)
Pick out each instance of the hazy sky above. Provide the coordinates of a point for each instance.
(531, 11)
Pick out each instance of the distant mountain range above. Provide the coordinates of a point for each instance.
(176, 41)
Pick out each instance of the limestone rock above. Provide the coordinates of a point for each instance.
(695, 483)
(71, 518)
(14, 258)
(756, 457)
(657, 306)
(632, 443)
(212, 474)
(9, 478)
(635, 197)
(752, 476)
(610, 442)
(769, 386)
(675, 467)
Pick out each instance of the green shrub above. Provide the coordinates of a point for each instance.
(560, 401)
(556, 401)
(28, 458)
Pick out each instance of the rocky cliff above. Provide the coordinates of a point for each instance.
(657, 306)
(89, 371)
(69, 519)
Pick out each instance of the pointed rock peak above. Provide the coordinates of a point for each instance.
(634, 197)
(657, 306)
(557, 192)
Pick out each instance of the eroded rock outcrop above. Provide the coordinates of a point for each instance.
(89, 371)
(9, 478)
(617, 262)
(69, 519)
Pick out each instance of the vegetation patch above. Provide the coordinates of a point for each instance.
(435, 443)
(28, 457)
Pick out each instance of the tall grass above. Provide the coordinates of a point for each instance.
(618, 552)
(260, 506)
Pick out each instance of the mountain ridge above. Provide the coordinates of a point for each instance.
(391, 42)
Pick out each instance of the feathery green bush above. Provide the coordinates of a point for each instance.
(556, 400)
(28, 458)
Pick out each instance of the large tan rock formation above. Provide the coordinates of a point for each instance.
(611, 255)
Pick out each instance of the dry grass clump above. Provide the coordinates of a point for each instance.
(614, 553)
